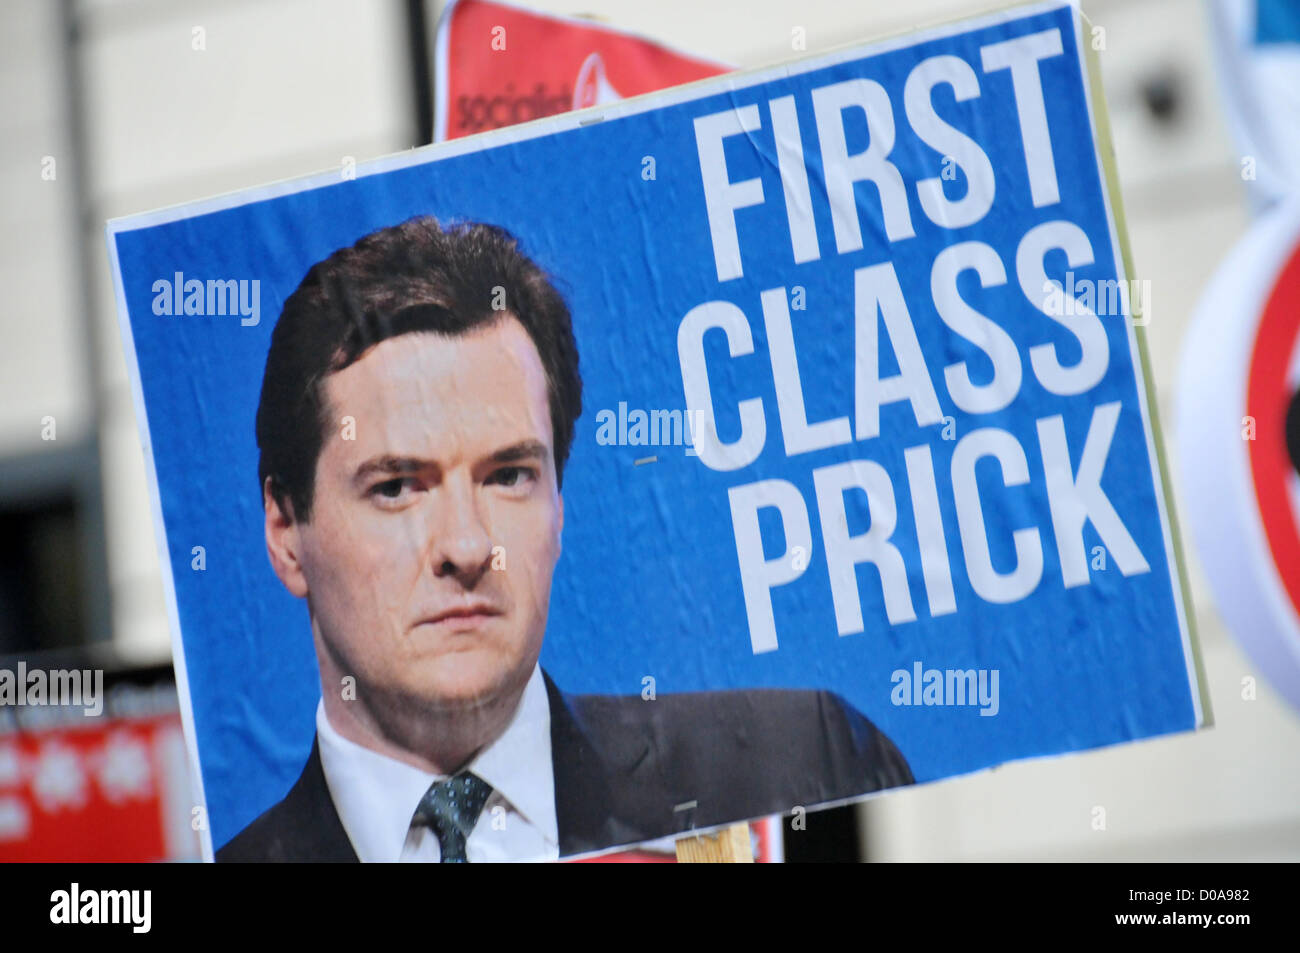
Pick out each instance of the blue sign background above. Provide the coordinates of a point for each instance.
(648, 583)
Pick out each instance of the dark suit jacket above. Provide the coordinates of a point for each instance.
(626, 769)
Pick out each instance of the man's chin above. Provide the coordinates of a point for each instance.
(460, 685)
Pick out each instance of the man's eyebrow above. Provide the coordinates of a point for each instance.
(394, 465)
(524, 450)
(390, 464)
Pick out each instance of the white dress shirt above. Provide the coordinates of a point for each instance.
(376, 796)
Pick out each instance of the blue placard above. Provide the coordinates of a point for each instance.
(863, 406)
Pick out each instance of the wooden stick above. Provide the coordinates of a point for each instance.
(729, 846)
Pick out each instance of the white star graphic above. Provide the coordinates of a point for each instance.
(124, 771)
(59, 780)
(11, 766)
(14, 819)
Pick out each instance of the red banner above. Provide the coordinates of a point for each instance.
(115, 790)
(498, 65)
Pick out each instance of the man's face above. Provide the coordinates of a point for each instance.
(436, 519)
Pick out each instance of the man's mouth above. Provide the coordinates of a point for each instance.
(470, 614)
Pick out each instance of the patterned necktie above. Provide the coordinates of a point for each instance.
(450, 809)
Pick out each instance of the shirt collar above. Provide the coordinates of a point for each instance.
(376, 795)
(518, 764)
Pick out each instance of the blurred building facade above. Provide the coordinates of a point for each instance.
(118, 106)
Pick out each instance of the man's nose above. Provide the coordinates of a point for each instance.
(461, 546)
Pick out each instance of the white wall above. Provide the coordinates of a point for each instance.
(42, 358)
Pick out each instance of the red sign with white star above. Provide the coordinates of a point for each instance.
(104, 792)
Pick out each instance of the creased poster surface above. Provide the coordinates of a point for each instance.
(758, 444)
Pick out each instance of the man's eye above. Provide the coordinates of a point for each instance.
(392, 489)
(511, 476)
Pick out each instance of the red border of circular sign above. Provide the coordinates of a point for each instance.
(1267, 398)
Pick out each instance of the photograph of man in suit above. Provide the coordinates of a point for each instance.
(417, 410)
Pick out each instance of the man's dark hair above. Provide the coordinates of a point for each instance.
(416, 276)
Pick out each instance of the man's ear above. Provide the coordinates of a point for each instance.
(284, 542)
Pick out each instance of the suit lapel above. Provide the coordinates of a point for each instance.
(313, 831)
(597, 776)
